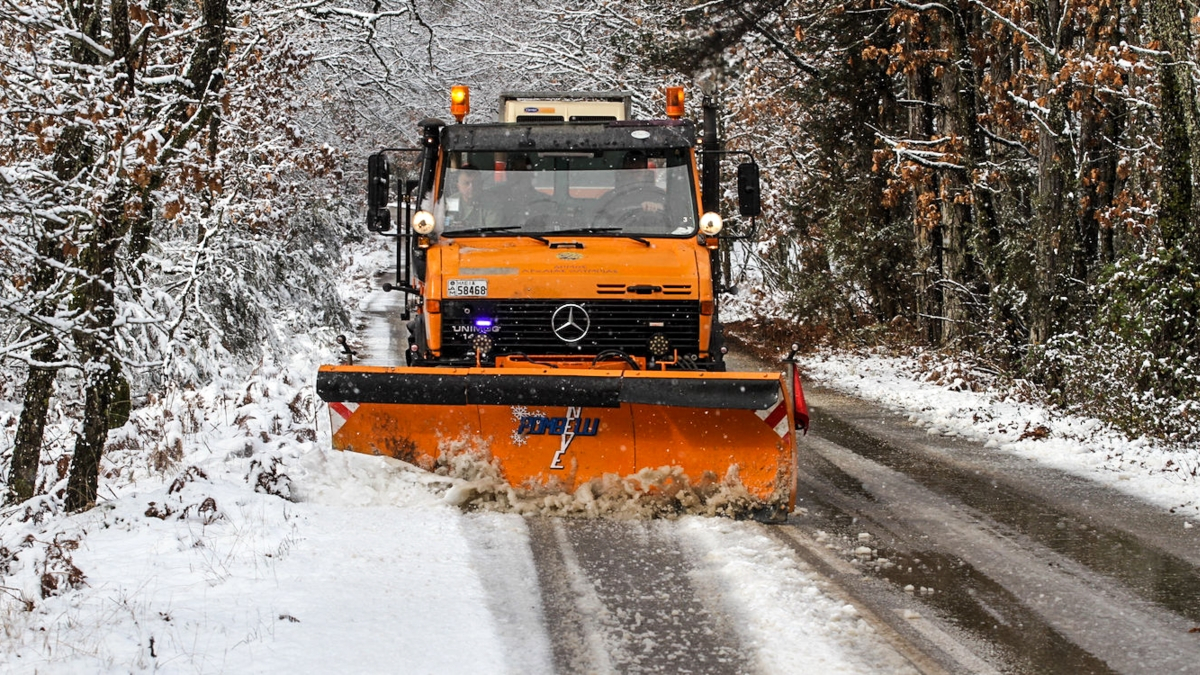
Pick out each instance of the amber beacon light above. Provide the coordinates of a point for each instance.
(460, 101)
(674, 102)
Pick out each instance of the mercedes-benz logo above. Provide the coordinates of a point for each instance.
(570, 323)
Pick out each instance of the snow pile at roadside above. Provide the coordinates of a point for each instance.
(951, 399)
(776, 598)
(212, 577)
(250, 548)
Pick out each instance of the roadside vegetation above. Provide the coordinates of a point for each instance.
(1009, 180)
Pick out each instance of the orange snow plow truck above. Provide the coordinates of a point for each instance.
(561, 269)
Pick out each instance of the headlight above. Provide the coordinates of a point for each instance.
(710, 224)
(482, 344)
(659, 344)
(422, 222)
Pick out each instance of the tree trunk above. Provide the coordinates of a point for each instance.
(927, 232)
(84, 480)
(27, 446)
(100, 259)
(71, 156)
(1099, 127)
(959, 270)
(1054, 213)
(1054, 242)
(96, 298)
(969, 236)
(1177, 212)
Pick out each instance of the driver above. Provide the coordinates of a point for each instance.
(636, 180)
(635, 198)
(470, 210)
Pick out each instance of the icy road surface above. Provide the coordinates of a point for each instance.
(1029, 569)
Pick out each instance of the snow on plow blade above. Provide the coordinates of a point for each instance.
(557, 430)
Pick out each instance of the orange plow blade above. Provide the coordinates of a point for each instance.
(555, 430)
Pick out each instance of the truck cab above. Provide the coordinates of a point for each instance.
(567, 235)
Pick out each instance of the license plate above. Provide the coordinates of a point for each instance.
(462, 288)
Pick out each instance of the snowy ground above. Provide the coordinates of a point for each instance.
(951, 399)
(229, 539)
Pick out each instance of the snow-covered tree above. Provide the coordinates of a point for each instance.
(151, 167)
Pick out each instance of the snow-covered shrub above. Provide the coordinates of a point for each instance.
(1139, 363)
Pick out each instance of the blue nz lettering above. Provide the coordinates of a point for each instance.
(538, 425)
(566, 428)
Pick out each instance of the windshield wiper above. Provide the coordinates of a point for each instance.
(483, 230)
(595, 230)
(494, 228)
(587, 230)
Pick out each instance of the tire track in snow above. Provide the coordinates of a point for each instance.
(1053, 610)
(497, 542)
(618, 597)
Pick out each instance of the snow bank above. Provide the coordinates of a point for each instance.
(229, 539)
(952, 399)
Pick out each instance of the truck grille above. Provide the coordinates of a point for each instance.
(622, 289)
(525, 325)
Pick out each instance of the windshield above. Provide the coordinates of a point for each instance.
(647, 193)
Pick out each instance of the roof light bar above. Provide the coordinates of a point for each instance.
(460, 101)
(674, 102)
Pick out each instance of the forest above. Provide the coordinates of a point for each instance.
(1016, 182)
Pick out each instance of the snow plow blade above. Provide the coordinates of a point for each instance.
(556, 430)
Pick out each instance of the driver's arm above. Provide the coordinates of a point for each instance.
(652, 206)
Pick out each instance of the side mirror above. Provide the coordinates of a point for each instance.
(379, 219)
(749, 201)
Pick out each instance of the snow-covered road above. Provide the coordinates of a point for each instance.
(370, 572)
(257, 549)
(200, 564)
(1038, 570)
